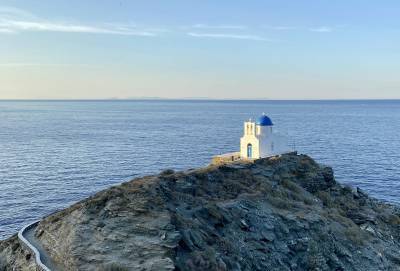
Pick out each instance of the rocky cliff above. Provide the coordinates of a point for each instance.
(283, 213)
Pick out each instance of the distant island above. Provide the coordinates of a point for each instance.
(278, 213)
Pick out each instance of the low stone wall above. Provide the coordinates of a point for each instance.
(27, 245)
(225, 158)
(235, 156)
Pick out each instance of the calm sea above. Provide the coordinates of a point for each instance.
(54, 153)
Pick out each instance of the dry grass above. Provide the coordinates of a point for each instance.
(355, 235)
(326, 199)
(113, 267)
(337, 216)
(291, 186)
(280, 203)
(393, 220)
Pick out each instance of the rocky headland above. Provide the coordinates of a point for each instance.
(281, 213)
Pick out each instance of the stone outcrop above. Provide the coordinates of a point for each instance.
(282, 213)
(14, 256)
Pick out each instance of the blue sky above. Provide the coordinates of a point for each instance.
(91, 49)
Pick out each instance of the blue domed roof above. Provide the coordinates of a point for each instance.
(264, 120)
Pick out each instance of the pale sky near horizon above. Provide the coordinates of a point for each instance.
(99, 49)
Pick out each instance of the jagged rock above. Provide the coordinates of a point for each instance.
(267, 236)
(361, 217)
(283, 213)
(362, 193)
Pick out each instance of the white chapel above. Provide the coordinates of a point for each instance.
(259, 139)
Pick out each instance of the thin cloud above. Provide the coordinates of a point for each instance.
(14, 20)
(227, 36)
(322, 29)
(224, 26)
(20, 26)
(27, 64)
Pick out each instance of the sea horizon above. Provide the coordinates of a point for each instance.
(199, 99)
